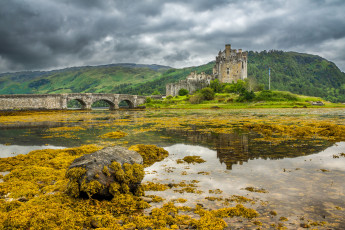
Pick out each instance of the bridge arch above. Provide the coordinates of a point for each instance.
(80, 100)
(110, 103)
(129, 103)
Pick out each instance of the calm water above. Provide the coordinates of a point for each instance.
(296, 186)
(303, 179)
(14, 150)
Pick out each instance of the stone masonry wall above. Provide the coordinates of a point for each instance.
(172, 89)
(30, 102)
(192, 83)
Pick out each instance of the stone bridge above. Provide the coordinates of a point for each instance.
(59, 101)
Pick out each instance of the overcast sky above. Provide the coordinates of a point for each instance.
(50, 34)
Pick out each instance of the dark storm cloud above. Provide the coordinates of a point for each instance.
(177, 56)
(40, 34)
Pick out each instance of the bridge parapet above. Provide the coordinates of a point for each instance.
(60, 101)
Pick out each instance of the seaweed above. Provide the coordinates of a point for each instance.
(150, 153)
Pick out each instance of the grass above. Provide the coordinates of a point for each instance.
(281, 99)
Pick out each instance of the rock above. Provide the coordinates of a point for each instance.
(319, 103)
(106, 173)
(304, 225)
(95, 223)
(23, 199)
(106, 156)
(120, 222)
(146, 199)
(172, 214)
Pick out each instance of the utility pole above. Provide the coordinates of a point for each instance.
(269, 78)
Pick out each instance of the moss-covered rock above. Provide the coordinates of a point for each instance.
(106, 174)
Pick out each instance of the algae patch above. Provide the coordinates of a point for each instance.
(151, 186)
(150, 153)
(193, 159)
(258, 190)
(114, 135)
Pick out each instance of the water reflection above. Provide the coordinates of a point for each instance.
(14, 150)
(310, 186)
(239, 147)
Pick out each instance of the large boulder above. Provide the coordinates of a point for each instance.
(106, 173)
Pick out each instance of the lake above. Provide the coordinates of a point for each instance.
(289, 163)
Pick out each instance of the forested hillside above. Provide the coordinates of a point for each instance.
(299, 73)
(169, 76)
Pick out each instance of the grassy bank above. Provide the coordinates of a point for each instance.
(273, 99)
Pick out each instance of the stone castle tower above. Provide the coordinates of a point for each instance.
(231, 65)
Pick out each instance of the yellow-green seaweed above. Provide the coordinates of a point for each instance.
(150, 153)
(193, 159)
(114, 135)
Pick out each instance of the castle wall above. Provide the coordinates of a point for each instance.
(234, 74)
(172, 89)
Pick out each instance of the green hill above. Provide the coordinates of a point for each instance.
(298, 73)
(95, 79)
(295, 72)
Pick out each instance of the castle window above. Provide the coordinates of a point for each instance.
(228, 70)
(242, 65)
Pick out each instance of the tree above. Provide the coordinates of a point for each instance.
(251, 84)
(207, 93)
(182, 92)
(148, 100)
(245, 95)
(237, 87)
(228, 88)
(216, 86)
(156, 92)
(196, 98)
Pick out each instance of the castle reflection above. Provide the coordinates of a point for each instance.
(239, 147)
(232, 148)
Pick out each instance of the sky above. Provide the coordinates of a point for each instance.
(54, 34)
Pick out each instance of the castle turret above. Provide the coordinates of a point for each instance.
(227, 50)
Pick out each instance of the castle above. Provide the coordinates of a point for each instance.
(192, 83)
(230, 66)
